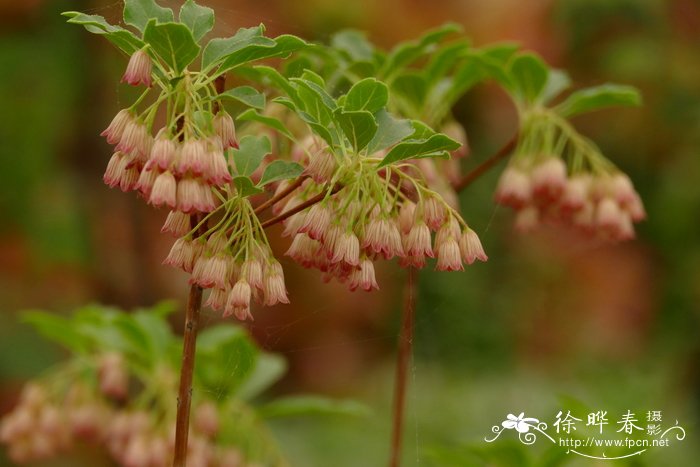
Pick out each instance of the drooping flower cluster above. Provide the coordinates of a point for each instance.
(49, 422)
(42, 426)
(372, 217)
(375, 213)
(591, 195)
(232, 259)
(167, 172)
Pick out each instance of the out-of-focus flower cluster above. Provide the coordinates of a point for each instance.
(556, 176)
(121, 401)
(46, 424)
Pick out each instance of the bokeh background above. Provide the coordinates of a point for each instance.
(548, 323)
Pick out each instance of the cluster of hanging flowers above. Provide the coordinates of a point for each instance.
(368, 213)
(378, 214)
(589, 193)
(48, 422)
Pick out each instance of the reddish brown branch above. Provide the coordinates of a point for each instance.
(281, 195)
(482, 168)
(301, 207)
(402, 363)
(189, 345)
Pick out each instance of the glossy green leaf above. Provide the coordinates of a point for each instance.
(251, 115)
(389, 131)
(282, 46)
(368, 94)
(139, 13)
(249, 155)
(599, 97)
(438, 145)
(280, 170)
(295, 406)
(529, 76)
(218, 49)
(120, 37)
(359, 127)
(248, 95)
(199, 19)
(173, 42)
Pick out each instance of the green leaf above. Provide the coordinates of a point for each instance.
(199, 19)
(319, 128)
(57, 329)
(173, 42)
(389, 131)
(249, 155)
(248, 95)
(217, 49)
(280, 170)
(359, 127)
(529, 74)
(246, 187)
(296, 406)
(269, 368)
(599, 97)
(368, 94)
(139, 13)
(438, 145)
(557, 82)
(444, 60)
(251, 115)
(225, 359)
(120, 37)
(412, 87)
(354, 44)
(316, 101)
(406, 53)
(270, 77)
(501, 52)
(282, 46)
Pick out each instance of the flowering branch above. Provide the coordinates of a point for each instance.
(308, 203)
(281, 195)
(189, 347)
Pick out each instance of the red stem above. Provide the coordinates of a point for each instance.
(482, 168)
(402, 363)
(280, 196)
(301, 207)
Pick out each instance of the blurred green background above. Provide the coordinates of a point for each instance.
(547, 324)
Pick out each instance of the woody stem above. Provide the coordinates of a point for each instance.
(194, 306)
(482, 168)
(405, 352)
(281, 195)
